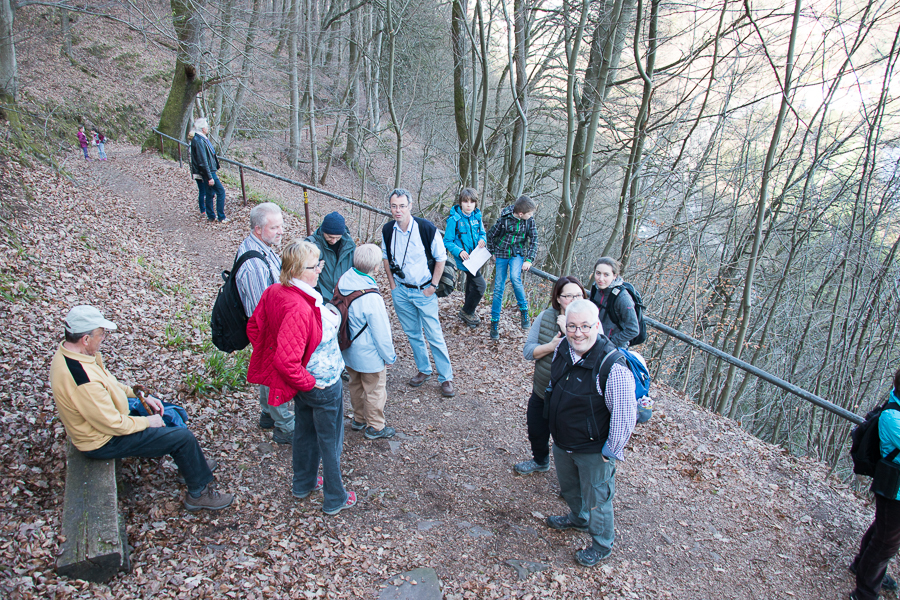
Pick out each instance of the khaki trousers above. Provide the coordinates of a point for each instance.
(367, 397)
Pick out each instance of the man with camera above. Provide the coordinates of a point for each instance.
(408, 243)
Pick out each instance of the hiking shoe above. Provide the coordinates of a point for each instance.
(374, 434)
(212, 463)
(209, 499)
(225, 220)
(531, 466)
(345, 376)
(419, 379)
(470, 320)
(447, 389)
(526, 321)
(356, 425)
(282, 437)
(351, 500)
(888, 583)
(495, 330)
(266, 421)
(562, 522)
(319, 483)
(589, 557)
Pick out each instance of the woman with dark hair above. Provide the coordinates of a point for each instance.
(620, 322)
(882, 540)
(547, 331)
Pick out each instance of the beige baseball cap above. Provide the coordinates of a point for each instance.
(84, 318)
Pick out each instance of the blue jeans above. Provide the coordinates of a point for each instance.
(281, 414)
(514, 266)
(418, 312)
(178, 442)
(587, 482)
(217, 190)
(201, 194)
(319, 437)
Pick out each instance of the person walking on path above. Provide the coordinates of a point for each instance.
(405, 257)
(336, 250)
(83, 142)
(204, 167)
(465, 232)
(617, 314)
(100, 142)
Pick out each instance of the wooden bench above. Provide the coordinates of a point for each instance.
(96, 545)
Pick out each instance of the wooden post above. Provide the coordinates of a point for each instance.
(306, 210)
(243, 187)
(179, 154)
(161, 149)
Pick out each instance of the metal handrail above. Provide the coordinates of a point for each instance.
(777, 381)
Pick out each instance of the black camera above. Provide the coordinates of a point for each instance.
(396, 270)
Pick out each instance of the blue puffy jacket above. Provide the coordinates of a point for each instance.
(463, 233)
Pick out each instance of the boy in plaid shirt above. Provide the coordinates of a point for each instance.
(513, 242)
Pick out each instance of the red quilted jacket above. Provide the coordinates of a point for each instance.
(285, 330)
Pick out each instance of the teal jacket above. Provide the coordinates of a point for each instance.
(889, 432)
(463, 233)
(336, 263)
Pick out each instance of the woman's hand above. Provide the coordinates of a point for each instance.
(561, 322)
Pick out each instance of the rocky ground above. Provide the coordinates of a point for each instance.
(703, 510)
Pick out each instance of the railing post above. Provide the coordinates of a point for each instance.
(180, 164)
(161, 149)
(306, 210)
(243, 187)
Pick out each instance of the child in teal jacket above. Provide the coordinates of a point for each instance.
(465, 232)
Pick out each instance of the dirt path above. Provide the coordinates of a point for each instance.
(703, 510)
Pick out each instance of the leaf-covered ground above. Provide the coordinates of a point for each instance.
(703, 510)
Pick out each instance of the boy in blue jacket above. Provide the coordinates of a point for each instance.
(513, 242)
(465, 232)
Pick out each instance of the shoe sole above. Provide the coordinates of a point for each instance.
(419, 384)
(331, 513)
(195, 508)
(585, 563)
(355, 427)
(446, 395)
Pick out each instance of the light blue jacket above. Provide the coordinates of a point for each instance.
(463, 233)
(889, 432)
(374, 347)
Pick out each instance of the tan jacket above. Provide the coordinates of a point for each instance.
(92, 404)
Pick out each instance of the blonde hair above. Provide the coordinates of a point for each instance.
(294, 257)
(366, 258)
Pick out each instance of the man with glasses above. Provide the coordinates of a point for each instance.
(592, 414)
(93, 407)
(408, 243)
(253, 277)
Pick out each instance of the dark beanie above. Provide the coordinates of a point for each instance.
(333, 224)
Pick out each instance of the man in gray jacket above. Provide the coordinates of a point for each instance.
(335, 250)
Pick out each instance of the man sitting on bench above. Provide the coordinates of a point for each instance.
(93, 406)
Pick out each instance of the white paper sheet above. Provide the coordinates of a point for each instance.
(477, 258)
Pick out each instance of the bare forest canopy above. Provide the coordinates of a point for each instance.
(740, 158)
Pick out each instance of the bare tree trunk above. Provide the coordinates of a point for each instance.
(517, 48)
(224, 66)
(354, 128)
(311, 93)
(247, 65)
(395, 121)
(458, 43)
(373, 69)
(293, 25)
(66, 31)
(9, 81)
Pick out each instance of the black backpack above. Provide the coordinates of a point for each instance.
(426, 231)
(641, 337)
(229, 322)
(342, 304)
(866, 447)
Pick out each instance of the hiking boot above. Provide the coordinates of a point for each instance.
(531, 466)
(209, 499)
(526, 321)
(495, 330)
(419, 379)
(589, 557)
(225, 220)
(888, 583)
(319, 483)
(562, 522)
(345, 376)
(282, 437)
(212, 463)
(375, 434)
(356, 425)
(351, 500)
(447, 389)
(470, 320)
(266, 421)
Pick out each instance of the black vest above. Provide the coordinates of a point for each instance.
(579, 419)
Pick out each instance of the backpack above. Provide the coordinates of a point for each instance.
(641, 337)
(229, 322)
(634, 362)
(342, 304)
(426, 231)
(866, 447)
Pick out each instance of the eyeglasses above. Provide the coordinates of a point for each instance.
(572, 328)
(571, 296)
(398, 206)
(319, 265)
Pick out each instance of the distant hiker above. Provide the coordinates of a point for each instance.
(254, 276)
(464, 233)
(296, 354)
(616, 306)
(204, 167)
(372, 347)
(592, 414)
(413, 284)
(100, 142)
(544, 336)
(336, 249)
(93, 407)
(513, 241)
(83, 142)
(882, 539)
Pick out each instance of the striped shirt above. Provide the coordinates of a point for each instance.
(253, 277)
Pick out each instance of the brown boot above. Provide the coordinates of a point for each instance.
(209, 499)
